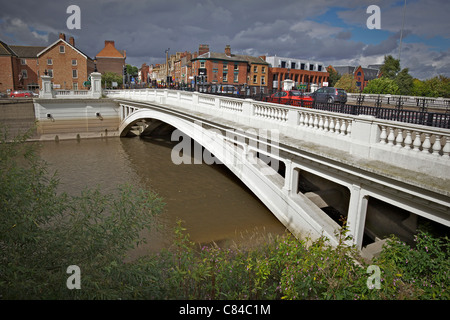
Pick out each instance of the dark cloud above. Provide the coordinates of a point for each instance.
(291, 28)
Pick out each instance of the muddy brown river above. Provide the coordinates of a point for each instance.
(212, 202)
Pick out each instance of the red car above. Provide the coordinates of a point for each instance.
(15, 94)
(292, 97)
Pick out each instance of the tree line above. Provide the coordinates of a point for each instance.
(394, 80)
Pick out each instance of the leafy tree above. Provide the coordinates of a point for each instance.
(110, 77)
(404, 82)
(382, 85)
(132, 70)
(438, 86)
(43, 231)
(333, 76)
(390, 67)
(347, 82)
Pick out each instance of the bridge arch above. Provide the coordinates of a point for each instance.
(238, 152)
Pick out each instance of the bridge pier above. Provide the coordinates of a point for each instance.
(357, 211)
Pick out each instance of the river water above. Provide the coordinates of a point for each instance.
(212, 202)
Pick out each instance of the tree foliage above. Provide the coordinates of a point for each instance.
(43, 231)
(110, 77)
(348, 83)
(382, 85)
(334, 77)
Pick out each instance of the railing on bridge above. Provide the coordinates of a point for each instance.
(412, 146)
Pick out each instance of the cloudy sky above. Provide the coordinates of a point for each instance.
(333, 32)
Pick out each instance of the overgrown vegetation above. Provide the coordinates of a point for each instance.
(42, 232)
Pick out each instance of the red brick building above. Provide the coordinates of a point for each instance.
(109, 59)
(213, 70)
(18, 67)
(67, 65)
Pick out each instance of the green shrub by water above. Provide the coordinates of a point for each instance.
(42, 232)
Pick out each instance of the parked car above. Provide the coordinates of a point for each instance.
(228, 88)
(292, 97)
(19, 93)
(330, 95)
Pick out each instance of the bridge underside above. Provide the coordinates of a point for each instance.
(309, 193)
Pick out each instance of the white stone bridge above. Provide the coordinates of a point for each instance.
(381, 176)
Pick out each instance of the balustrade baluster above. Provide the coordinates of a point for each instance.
(391, 137)
(383, 135)
(301, 119)
(343, 127)
(326, 125)
(349, 128)
(399, 139)
(408, 140)
(321, 123)
(311, 120)
(417, 143)
(437, 145)
(332, 124)
(446, 149)
(426, 144)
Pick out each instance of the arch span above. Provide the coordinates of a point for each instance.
(241, 153)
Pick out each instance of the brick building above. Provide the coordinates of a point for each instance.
(361, 75)
(109, 59)
(67, 65)
(213, 70)
(19, 67)
(307, 75)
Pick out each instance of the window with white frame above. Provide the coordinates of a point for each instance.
(74, 73)
(49, 62)
(24, 74)
(23, 62)
(74, 62)
(62, 49)
(50, 72)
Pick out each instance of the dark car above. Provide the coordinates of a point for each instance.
(292, 97)
(330, 95)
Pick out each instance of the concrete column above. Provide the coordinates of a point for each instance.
(290, 178)
(356, 217)
(46, 91)
(96, 85)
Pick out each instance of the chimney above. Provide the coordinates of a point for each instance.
(62, 36)
(202, 49)
(228, 50)
(72, 41)
(109, 42)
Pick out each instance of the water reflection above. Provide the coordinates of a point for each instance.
(212, 202)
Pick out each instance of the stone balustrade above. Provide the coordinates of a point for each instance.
(412, 147)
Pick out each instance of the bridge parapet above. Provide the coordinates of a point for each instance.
(412, 148)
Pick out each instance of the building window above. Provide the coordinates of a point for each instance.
(50, 72)
(23, 62)
(319, 68)
(74, 62)
(75, 85)
(263, 80)
(236, 67)
(62, 49)
(236, 77)
(302, 66)
(255, 79)
(283, 64)
(202, 64)
(255, 69)
(74, 73)
(359, 73)
(263, 69)
(49, 62)
(225, 77)
(24, 74)
(292, 65)
(225, 66)
(311, 67)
